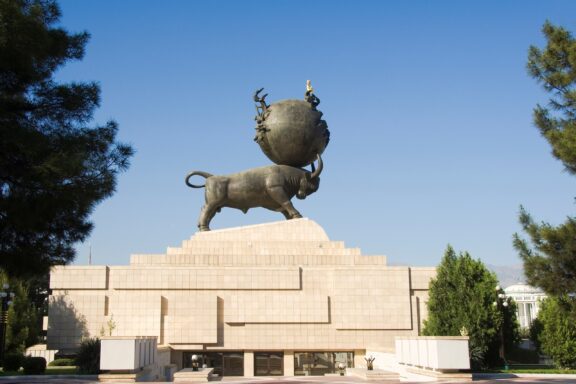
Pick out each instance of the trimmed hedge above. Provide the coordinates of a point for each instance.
(34, 365)
(12, 362)
(64, 362)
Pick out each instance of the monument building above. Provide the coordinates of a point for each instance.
(269, 299)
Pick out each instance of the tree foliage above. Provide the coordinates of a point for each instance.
(557, 338)
(88, 357)
(555, 68)
(551, 263)
(461, 301)
(54, 168)
(23, 325)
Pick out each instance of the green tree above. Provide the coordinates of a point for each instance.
(461, 301)
(557, 338)
(550, 260)
(54, 167)
(23, 327)
(551, 263)
(555, 68)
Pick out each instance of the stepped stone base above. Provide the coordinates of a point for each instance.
(120, 377)
(374, 374)
(187, 375)
(283, 286)
(455, 376)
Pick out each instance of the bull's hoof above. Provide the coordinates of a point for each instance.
(203, 228)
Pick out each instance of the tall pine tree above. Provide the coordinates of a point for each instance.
(550, 261)
(54, 167)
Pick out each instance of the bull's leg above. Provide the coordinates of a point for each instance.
(279, 196)
(206, 215)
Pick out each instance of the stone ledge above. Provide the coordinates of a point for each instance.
(119, 377)
(187, 375)
(442, 375)
(374, 374)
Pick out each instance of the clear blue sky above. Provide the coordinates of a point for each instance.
(428, 103)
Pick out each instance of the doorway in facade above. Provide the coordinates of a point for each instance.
(321, 363)
(224, 363)
(268, 363)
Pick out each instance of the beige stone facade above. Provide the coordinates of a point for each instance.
(282, 287)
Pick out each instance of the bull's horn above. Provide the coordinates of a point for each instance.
(318, 171)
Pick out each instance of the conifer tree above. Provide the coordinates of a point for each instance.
(54, 167)
(557, 338)
(551, 261)
(461, 302)
(22, 320)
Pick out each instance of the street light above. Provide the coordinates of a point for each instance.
(341, 368)
(6, 298)
(194, 362)
(501, 303)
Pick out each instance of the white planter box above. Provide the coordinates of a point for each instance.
(127, 353)
(442, 353)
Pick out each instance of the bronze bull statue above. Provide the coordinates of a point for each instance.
(270, 187)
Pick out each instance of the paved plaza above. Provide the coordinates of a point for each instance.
(488, 379)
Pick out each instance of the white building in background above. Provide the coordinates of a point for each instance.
(528, 300)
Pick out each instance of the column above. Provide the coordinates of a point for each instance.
(288, 363)
(249, 363)
(359, 355)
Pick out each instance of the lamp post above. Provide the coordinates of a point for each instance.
(341, 368)
(501, 303)
(194, 362)
(5, 301)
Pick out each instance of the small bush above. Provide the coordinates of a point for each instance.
(34, 365)
(88, 358)
(523, 356)
(65, 362)
(12, 362)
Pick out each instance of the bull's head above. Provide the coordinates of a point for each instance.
(311, 181)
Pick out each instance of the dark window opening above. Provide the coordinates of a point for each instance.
(268, 364)
(224, 363)
(321, 363)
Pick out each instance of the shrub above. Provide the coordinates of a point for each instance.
(12, 362)
(34, 365)
(88, 358)
(558, 336)
(65, 362)
(523, 356)
(535, 333)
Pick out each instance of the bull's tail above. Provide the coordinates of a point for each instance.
(196, 173)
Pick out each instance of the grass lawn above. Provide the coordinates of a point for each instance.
(549, 370)
(539, 370)
(70, 370)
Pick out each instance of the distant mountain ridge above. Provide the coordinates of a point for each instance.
(508, 274)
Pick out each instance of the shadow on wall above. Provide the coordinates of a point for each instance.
(66, 326)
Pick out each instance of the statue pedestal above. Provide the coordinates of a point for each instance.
(282, 286)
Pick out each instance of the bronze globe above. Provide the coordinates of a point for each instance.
(291, 132)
